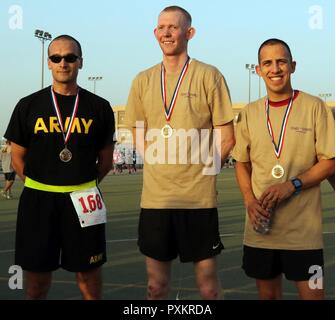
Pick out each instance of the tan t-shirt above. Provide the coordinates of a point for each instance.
(173, 175)
(297, 222)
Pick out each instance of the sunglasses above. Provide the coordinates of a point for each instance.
(70, 58)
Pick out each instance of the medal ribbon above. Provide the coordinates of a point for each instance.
(168, 111)
(66, 136)
(278, 149)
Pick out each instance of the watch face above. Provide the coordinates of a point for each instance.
(297, 183)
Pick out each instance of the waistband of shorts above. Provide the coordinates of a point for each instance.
(30, 183)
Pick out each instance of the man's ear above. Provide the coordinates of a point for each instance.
(155, 33)
(190, 33)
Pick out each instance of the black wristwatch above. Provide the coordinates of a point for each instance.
(297, 185)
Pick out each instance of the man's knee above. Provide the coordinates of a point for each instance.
(158, 289)
(90, 284)
(270, 289)
(210, 291)
(37, 286)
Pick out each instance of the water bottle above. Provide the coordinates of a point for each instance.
(264, 225)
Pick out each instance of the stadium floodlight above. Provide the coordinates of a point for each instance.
(325, 96)
(250, 68)
(43, 36)
(94, 79)
(38, 33)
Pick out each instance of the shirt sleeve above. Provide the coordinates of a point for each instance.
(17, 130)
(219, 101)
(108, 125)
(241, 151)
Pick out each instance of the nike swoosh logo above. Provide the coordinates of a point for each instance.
(215, 247)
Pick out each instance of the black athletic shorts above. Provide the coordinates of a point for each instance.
(266, 264)
(10, 176)
(193, 234)
(49, 235)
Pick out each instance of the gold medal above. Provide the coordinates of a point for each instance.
(278, 171)
(65, 155)
(166, 131)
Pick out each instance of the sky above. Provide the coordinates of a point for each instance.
(118, 42)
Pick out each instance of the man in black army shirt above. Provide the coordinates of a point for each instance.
(62, 146)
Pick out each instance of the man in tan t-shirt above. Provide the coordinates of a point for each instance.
(179, 103)
(284, 149)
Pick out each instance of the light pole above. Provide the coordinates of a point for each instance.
(259, 83)
(250, 68)
(325, 96)
(94, 79)
(43, 36)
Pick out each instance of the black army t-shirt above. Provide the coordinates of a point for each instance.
(34, 125)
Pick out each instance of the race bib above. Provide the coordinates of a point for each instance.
(89, 206)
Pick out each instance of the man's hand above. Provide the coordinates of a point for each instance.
(255, 212)
(275, 194)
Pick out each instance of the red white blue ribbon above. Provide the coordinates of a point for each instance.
(278, 149)
(168, 111)
(66, 136)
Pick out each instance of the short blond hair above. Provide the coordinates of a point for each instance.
(186, 15)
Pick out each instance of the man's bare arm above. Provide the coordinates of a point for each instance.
(105, 161)
(252, 204)
(18, 159)
(282, 191)
(227, 140)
